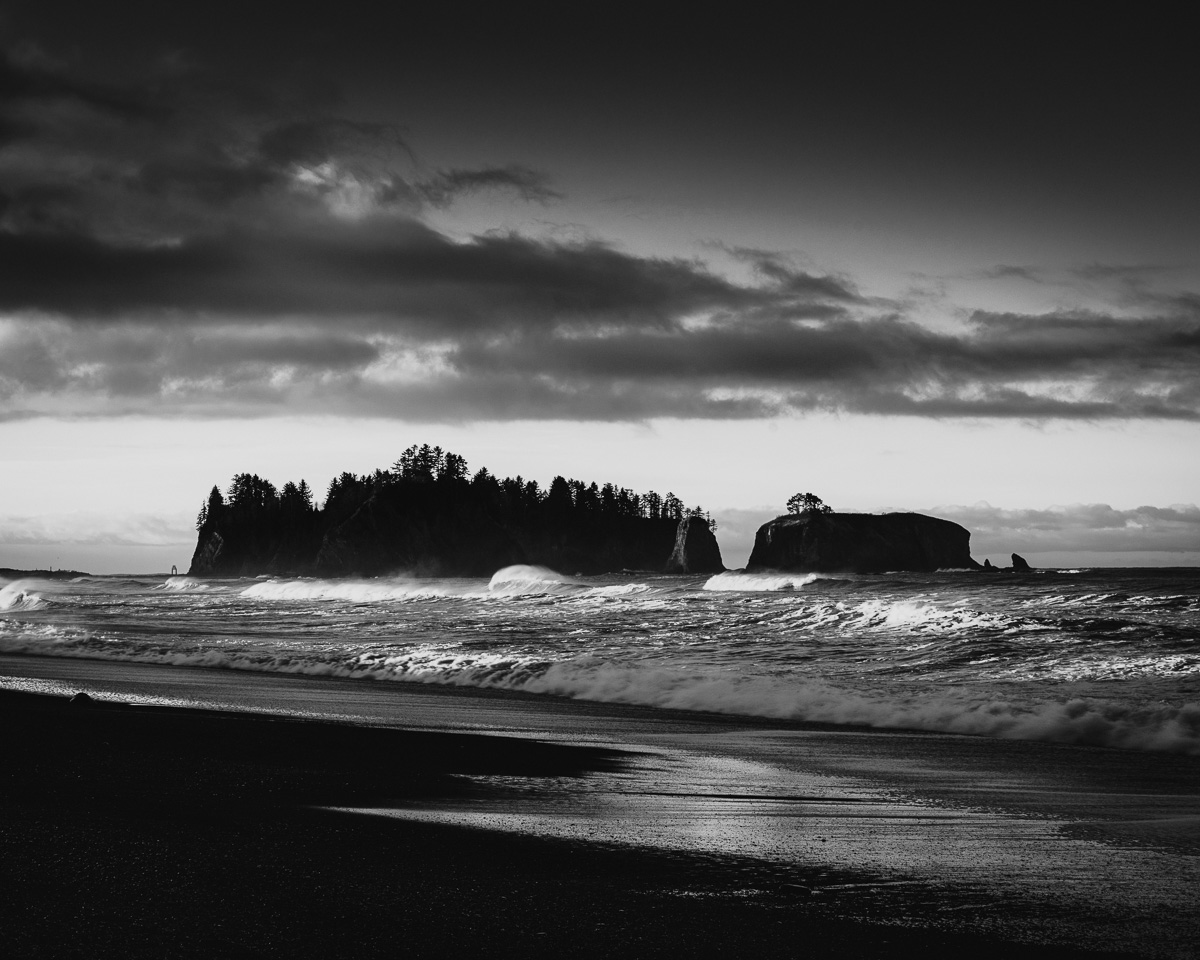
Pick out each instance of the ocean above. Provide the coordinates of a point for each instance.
(1103, 657)
(1003, 754)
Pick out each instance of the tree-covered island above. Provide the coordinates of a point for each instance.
(428, 516)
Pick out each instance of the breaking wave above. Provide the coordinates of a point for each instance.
(1079, 721)
(183, 583)
(21, 595)
(760, 582)
(523, 579)
(352, 591)
(512, 582)
(1107, 659)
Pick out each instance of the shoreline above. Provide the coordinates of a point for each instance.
(770, 826)
(215, 826)
(369, 699)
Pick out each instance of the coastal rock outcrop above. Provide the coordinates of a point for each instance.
(425, 517)
(206, 561)
(696, 549)
(1020, 565)
(861, 543)
(417, 534)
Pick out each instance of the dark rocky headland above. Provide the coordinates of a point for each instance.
(11, 573)
(426, 517)
(814, 542)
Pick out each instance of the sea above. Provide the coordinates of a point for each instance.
(1095, 656)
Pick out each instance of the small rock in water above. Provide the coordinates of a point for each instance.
(81, 699)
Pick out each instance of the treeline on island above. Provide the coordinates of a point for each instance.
(428, 515)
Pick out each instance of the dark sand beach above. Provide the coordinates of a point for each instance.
(506, 824)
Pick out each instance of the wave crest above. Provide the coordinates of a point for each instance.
(760, 582)
(182, 583)
(524, 578)
(353, 591)
(1078, 721)
(21, 595)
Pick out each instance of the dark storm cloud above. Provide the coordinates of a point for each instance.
(130, 367)
(195, 152)
(319, 350)
(208, 180)
(203, 244)
(386, 272)
(1033, 367)
(530, 185)
(1002, 366)
(525, 327)
(317, 141)
(774, 268)
(27, 74)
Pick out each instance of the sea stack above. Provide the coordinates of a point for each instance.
(861, 543)
(1019, 564)
(696, 549)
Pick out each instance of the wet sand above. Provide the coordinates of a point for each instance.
(432, 821)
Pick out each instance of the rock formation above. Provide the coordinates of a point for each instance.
(1019, 565)
(207, 559)
(696, 549)
(432, 521)
(861, 543)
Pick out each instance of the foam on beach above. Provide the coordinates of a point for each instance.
(1080, 720)
(1091, 721)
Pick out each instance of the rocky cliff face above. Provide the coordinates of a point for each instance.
(696, 549)
(861, 543)
(207, 558)
(242, 550)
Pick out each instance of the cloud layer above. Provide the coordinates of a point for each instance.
(191, 249)
(75, 529)
(1083, 528)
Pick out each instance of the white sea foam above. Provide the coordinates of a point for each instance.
(655, 683)
(620, 590)
(22, 595)
(182, 583)
(522, 578)
(354, 591)
(511, 582)
(1100, 666)
(760, 582)
(1087, 721)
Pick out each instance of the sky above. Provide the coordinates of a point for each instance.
(950, 266)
